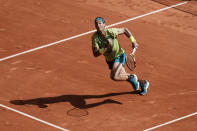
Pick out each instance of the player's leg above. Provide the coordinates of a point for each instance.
(118, 72)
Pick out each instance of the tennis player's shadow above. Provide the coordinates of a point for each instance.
(77, 101)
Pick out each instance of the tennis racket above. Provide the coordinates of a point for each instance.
(130, 60)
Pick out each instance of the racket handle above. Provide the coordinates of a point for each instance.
(134, 50)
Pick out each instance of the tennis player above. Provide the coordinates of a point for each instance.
(105, 42)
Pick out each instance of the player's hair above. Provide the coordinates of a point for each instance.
(99, 19)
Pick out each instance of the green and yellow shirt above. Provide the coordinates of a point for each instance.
(98, 41)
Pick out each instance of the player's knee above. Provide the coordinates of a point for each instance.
(113, 77)
(116, 78)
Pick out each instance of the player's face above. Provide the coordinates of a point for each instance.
(100, 26)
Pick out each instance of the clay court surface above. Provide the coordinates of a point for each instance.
(49, 82)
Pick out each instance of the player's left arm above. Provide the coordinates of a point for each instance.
(129, 35)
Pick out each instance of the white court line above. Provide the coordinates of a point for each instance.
(47, 45)
(32, 117)
(171, 121)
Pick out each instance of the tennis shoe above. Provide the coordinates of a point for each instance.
(144, 86)
(134, 81)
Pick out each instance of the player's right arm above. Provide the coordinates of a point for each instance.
(100, 51)
(95, 51)
(95, 47)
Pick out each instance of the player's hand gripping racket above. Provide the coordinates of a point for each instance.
(130, 60)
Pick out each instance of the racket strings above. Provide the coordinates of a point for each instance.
(130, 61)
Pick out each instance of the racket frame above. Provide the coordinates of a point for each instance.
(133, 56)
